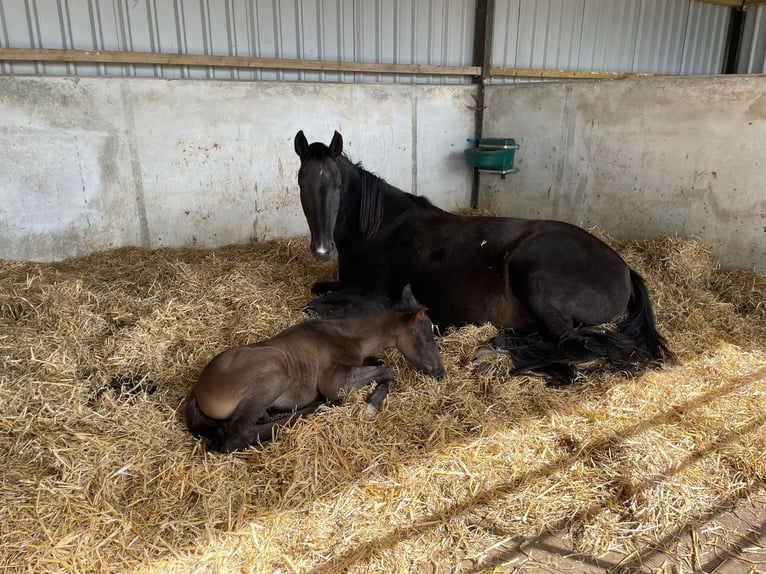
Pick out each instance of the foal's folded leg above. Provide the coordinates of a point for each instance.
(347, 377)
(361, 376)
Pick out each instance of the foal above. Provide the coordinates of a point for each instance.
(303, 367)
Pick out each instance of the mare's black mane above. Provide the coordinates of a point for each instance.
(371, 202)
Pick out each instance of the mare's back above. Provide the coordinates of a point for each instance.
(485, 233)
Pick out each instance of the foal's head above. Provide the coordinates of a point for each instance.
(415, 339)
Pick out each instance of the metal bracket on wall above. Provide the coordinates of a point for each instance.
(502, 173)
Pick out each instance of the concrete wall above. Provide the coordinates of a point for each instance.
(96, 163)
(90, 164)
(638, 158)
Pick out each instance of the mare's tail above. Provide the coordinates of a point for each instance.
(649, 347)
(631, 345)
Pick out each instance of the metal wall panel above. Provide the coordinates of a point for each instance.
(753, 57)
(659, 36)
(550, 34)
(609, 35)
(383, 31)
(640, 36)
(705, 43)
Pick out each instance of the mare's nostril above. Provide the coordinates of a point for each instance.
(323, 253)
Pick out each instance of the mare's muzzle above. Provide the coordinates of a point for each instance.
(323, 251)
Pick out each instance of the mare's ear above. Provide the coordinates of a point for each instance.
(418, 315)
(301, 143)
(336, 145)
(408, 299)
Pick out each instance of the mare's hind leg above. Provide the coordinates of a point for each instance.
(551, 319)
(529, 354)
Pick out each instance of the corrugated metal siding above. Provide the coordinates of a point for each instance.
(649, 36)
(705, 39)
(609, 36)
(753, 57)
(383, 31)
(549, 33)
(659, 36)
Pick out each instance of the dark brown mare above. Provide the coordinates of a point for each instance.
(303, 367)
(553, 285)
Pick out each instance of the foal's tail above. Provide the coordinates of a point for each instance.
(631, 345)
(198, 422)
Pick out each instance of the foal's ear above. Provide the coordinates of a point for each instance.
(301, 143)
(336, 145)
(418, 315)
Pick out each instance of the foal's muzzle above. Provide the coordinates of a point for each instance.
(437, 373)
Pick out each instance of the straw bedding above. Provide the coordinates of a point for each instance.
(100, 473)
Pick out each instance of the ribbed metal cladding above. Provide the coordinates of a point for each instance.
(646, 36)
(381, 31)
(753, 57)
(657, 36)
(705, 39)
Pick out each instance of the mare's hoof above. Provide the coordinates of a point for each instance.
(559, 375)
(486, 352)
(324, 287)
(485, 358)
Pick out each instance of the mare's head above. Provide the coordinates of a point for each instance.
(416, 340)
(320, 180)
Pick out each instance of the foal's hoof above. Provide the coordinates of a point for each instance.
(371, 410)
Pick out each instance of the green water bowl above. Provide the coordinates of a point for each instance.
(493, 154)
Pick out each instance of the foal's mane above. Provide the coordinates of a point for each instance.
(373, 188)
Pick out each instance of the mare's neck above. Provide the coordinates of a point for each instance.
(392, 200)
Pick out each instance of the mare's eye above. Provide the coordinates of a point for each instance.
(435, 329)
